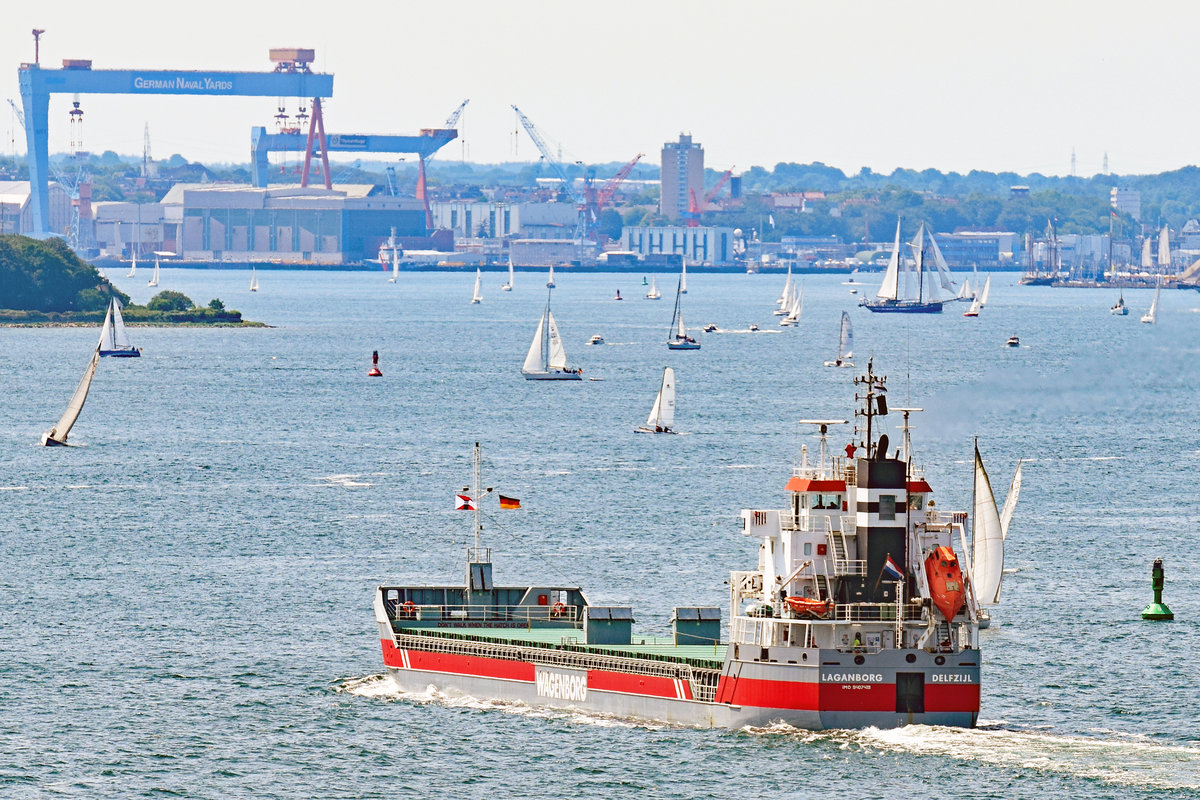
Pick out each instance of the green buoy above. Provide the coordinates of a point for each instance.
(1157, 609)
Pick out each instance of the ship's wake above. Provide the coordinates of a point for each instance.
(1102, 755)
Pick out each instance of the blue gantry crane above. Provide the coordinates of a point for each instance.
(291, 77)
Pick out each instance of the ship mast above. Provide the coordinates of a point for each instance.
(475, 493)
(874, 402)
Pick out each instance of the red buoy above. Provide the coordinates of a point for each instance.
(374, 373)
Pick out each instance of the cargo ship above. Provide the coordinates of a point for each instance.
(857, 614)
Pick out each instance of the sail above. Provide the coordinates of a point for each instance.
(534, 360)
(787, 289)
(987, 566)
(1164, 248)
(797, 306)
(511, 283)
(119, 337)
(1147, 257)
(59, 432)
(106, 332)
(662, 415)
(558, 356)
(943, 271)
(846, 341)
(891, 279)
(550, 280)
(1191, 272)
(683, 279)
(976, 307)
(987, 290)
(1010, 502)
(395, 264)
(918, 246)
(964, 291)
(478, 295)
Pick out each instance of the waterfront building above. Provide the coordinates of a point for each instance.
(699, 245)
(682, 175)
(16, 214)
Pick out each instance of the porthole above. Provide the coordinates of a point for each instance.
(911, 657)
(940, 660)
(859, 660)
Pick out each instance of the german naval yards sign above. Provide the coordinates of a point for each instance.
(561, 684)
(182, 82)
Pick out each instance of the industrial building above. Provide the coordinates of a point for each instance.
(493, 219)
(16, 208)
(697, 245)
(682, 176)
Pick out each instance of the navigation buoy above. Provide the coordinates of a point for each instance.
(1157, 610)
(374, 373)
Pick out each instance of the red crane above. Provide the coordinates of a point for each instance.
(695, 209)
(605, 195)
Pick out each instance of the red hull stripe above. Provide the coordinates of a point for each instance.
(649, 685)
(458, 664)
(952, 697)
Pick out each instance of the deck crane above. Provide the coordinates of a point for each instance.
(422, 186)
(695, 209)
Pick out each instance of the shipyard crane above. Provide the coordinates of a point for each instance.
(605, 194)
(544, 149)
(422, 160)
(695, 208)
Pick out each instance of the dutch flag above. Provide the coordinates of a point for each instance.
(892, 570)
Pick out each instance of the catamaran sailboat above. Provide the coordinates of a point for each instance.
(845, 344)
(477, 297)
(896, 292)
(547, 360)
(1151, 316)
(980, 299)
(57, 436)
(654, 293)
(990, 531)
(678, 338)
(508, 287)
(114, 341)
(662, 415)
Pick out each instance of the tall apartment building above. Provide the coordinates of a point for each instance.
(682, 172)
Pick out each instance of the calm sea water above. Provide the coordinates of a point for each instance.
(186, 596)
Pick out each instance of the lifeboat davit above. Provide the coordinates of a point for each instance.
(807, 606)
(945, 581)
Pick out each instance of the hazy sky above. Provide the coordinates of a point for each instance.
(948, 85)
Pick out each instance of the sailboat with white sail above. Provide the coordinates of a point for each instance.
(550, 280)
(546, 359)
(1147, 260)
(154, 275)
(508, 287)
(683, 279)
(391, 248)
(785, 297)
(928, 272)
(990, 529)
(114, 340)
(253, 280)
(845, 344)
(132, 261)
(57, 436)
(980, 300)
(1119, 309)
(654, 293)
(678, 338)
(795, 307)
(477, 297)
(1151, 316)
(662, 415)
(1164, 251)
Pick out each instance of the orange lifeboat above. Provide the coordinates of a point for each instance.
(945, 581)
(809, 607)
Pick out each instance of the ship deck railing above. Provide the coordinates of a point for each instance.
(702, 675)
(559, 613)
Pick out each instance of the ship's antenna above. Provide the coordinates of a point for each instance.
(874, 402)
(823, 429)
(907, 428)
(475, 493)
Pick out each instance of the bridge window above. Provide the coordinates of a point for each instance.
(887, 506)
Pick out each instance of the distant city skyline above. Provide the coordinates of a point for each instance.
(1029, 87)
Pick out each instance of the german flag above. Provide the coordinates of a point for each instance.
(509, 502)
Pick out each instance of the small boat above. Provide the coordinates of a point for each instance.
(253, 280)
(945, 581)
(1151, 316)
(154, 275)
(597, 339)
(677, 338)
(785, 298)
(683, 279)
(662, 415)
(845, 344)
(618, 297)
(752, 327)
(811, 607)
(132, 261)
(1120, 309)
(854, 291)
(477, 297)
(794, 309)
(546, 359)
(550, 280)
(114, 341)
(1013, 341)
(654, 293)
(57, 436)
(980, 299)
(508, 287)
(710, 328)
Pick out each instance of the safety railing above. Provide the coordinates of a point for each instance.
(409, 611)
(849, 566)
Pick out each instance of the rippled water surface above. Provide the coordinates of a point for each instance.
(187, 593)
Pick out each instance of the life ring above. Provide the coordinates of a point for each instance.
(558, 610)
(410, 608)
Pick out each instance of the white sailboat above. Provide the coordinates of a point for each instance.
(990, 529)
(546, 359)
(253, 280)
(678, 338)
(795, 308)
(477, 297)
(114, 340)
(785, 297)
(1151, 316)
(845, 344)
(662, 415)
(1164, 250)
(508, 287)
(980, 300)
(154, 275)
(654, 293)
(683, 279)
(132, 261)
(1119, 308)
(550, 280)
(57, 436)
(929, 272)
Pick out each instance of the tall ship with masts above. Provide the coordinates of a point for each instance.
(858, 612)
(913, 287)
